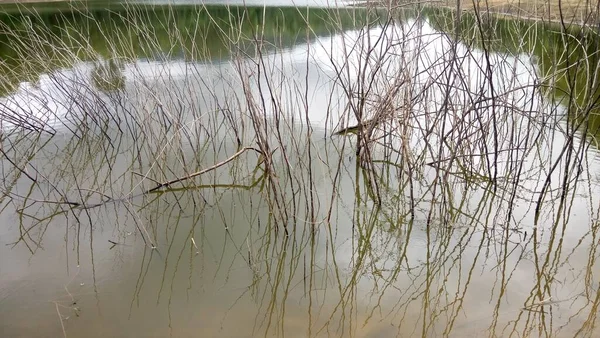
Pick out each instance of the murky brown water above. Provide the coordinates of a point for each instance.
(307, 249)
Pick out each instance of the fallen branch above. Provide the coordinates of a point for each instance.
(203, 171)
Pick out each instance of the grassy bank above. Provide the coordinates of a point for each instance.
(568, 11)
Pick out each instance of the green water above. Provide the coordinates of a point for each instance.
(133, 31)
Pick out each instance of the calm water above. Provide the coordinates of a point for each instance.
(437, 235)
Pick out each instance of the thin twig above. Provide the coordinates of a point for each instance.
(62, 325)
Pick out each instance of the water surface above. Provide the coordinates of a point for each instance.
(470, 209)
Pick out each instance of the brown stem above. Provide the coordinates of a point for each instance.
(203, 171)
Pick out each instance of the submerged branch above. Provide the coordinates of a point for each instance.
(213, 167)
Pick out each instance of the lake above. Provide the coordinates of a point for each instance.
(322, 170)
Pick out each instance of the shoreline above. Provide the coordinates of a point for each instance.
(527, 10)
